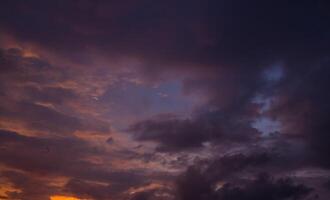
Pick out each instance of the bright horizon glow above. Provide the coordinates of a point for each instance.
(58, 197)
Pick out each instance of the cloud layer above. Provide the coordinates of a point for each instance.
(166, 100)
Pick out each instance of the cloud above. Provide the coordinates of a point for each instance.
(173, 133)
(204, 183)
(94, 190)
(264, 187)
(226, 32)
(161, 193)
(31, 96)
(51, 95)
(62, 64)
(301, 105)
(64, 157)
(41, 118)
(26, 185)
(44, 155)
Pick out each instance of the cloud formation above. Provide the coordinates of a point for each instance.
(164, 100)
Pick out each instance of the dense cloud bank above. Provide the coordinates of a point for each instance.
(149, 100)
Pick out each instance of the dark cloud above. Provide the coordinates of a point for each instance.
(110, 140)
(302, 106)
(219, 51)
(58, 157)
(327, 184)
(41, 118)
(197, 183)
(227, 32)
(85, 189)
(222, 168)
(142, 196)
(264, 187)
(31, 187)
(96, 190)
(44, 159)
(17, 69)
(154, 194)
(43, 155)
(173, 133)
(31, 96)
(50, 95)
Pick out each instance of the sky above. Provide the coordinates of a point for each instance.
(164, 100)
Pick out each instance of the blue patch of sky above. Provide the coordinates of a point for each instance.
(127, 100)
(274, 73)
(264, 124)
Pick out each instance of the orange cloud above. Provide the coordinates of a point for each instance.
(6, 188)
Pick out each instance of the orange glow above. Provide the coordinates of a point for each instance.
(63, 198)
(6, 188)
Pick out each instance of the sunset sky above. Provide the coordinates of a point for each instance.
(164, 100)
